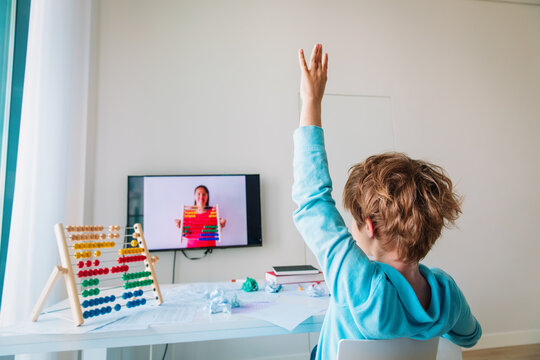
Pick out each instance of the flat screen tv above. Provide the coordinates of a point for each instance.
(183, 212)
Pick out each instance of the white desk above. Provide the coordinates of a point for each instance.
(203, 327)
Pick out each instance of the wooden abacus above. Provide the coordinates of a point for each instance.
(82, 277)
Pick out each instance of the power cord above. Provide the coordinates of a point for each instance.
(173, 274)
(207, 251)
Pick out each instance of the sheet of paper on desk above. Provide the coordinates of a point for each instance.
(289, 311)
(164, 314)
(286, 316)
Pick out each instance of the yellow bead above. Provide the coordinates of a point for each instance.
(97, 253)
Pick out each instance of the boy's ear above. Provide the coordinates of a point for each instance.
(369, 228)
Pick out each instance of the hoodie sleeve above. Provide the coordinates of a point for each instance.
(322, 227)
(467, 330)
(463, 329)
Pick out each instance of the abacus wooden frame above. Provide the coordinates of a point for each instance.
(66, 270)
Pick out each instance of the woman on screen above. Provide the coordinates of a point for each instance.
(201, 228)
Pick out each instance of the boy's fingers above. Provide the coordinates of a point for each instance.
(302, 60)
(325, 62)
(313, 62)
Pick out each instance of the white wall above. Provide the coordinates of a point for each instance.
(463, 77)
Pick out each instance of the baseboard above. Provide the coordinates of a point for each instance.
(512, 338)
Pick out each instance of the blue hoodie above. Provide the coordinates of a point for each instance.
(369, 299)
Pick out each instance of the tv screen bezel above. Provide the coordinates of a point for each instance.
(253, 210)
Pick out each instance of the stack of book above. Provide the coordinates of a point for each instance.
(294, 274)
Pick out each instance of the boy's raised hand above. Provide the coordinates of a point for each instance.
(313, 78)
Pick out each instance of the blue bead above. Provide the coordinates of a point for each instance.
(112, 297)
(85, 314)
(117, 307)
(143, 301)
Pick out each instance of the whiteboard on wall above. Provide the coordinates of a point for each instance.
(355, 127)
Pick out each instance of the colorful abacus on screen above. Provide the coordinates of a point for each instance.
(104, 271)
(201, 226)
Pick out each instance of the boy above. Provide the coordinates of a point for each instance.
(399, 207)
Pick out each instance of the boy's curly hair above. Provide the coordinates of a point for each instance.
(408, 201)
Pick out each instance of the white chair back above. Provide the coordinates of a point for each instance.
(448, 350)
(393, 349)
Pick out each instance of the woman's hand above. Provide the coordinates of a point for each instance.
(178, 223)
(312, 85)
(222, 222)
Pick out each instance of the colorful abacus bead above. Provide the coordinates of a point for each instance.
(96, 312)
(132, 284)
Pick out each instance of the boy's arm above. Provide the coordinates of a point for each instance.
(347, 269)
(466, 331)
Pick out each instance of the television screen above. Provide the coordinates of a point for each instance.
(196, 211)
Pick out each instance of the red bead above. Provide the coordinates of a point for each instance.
(96, 262)
(80, 274)
(95, 272)
(80, 264)
(119, 260)
(106, 271)
(88, 263)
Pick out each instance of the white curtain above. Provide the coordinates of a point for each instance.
(51, 163)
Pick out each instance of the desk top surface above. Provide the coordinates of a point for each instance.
(187, 319)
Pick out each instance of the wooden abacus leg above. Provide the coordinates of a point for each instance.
(55, 275)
